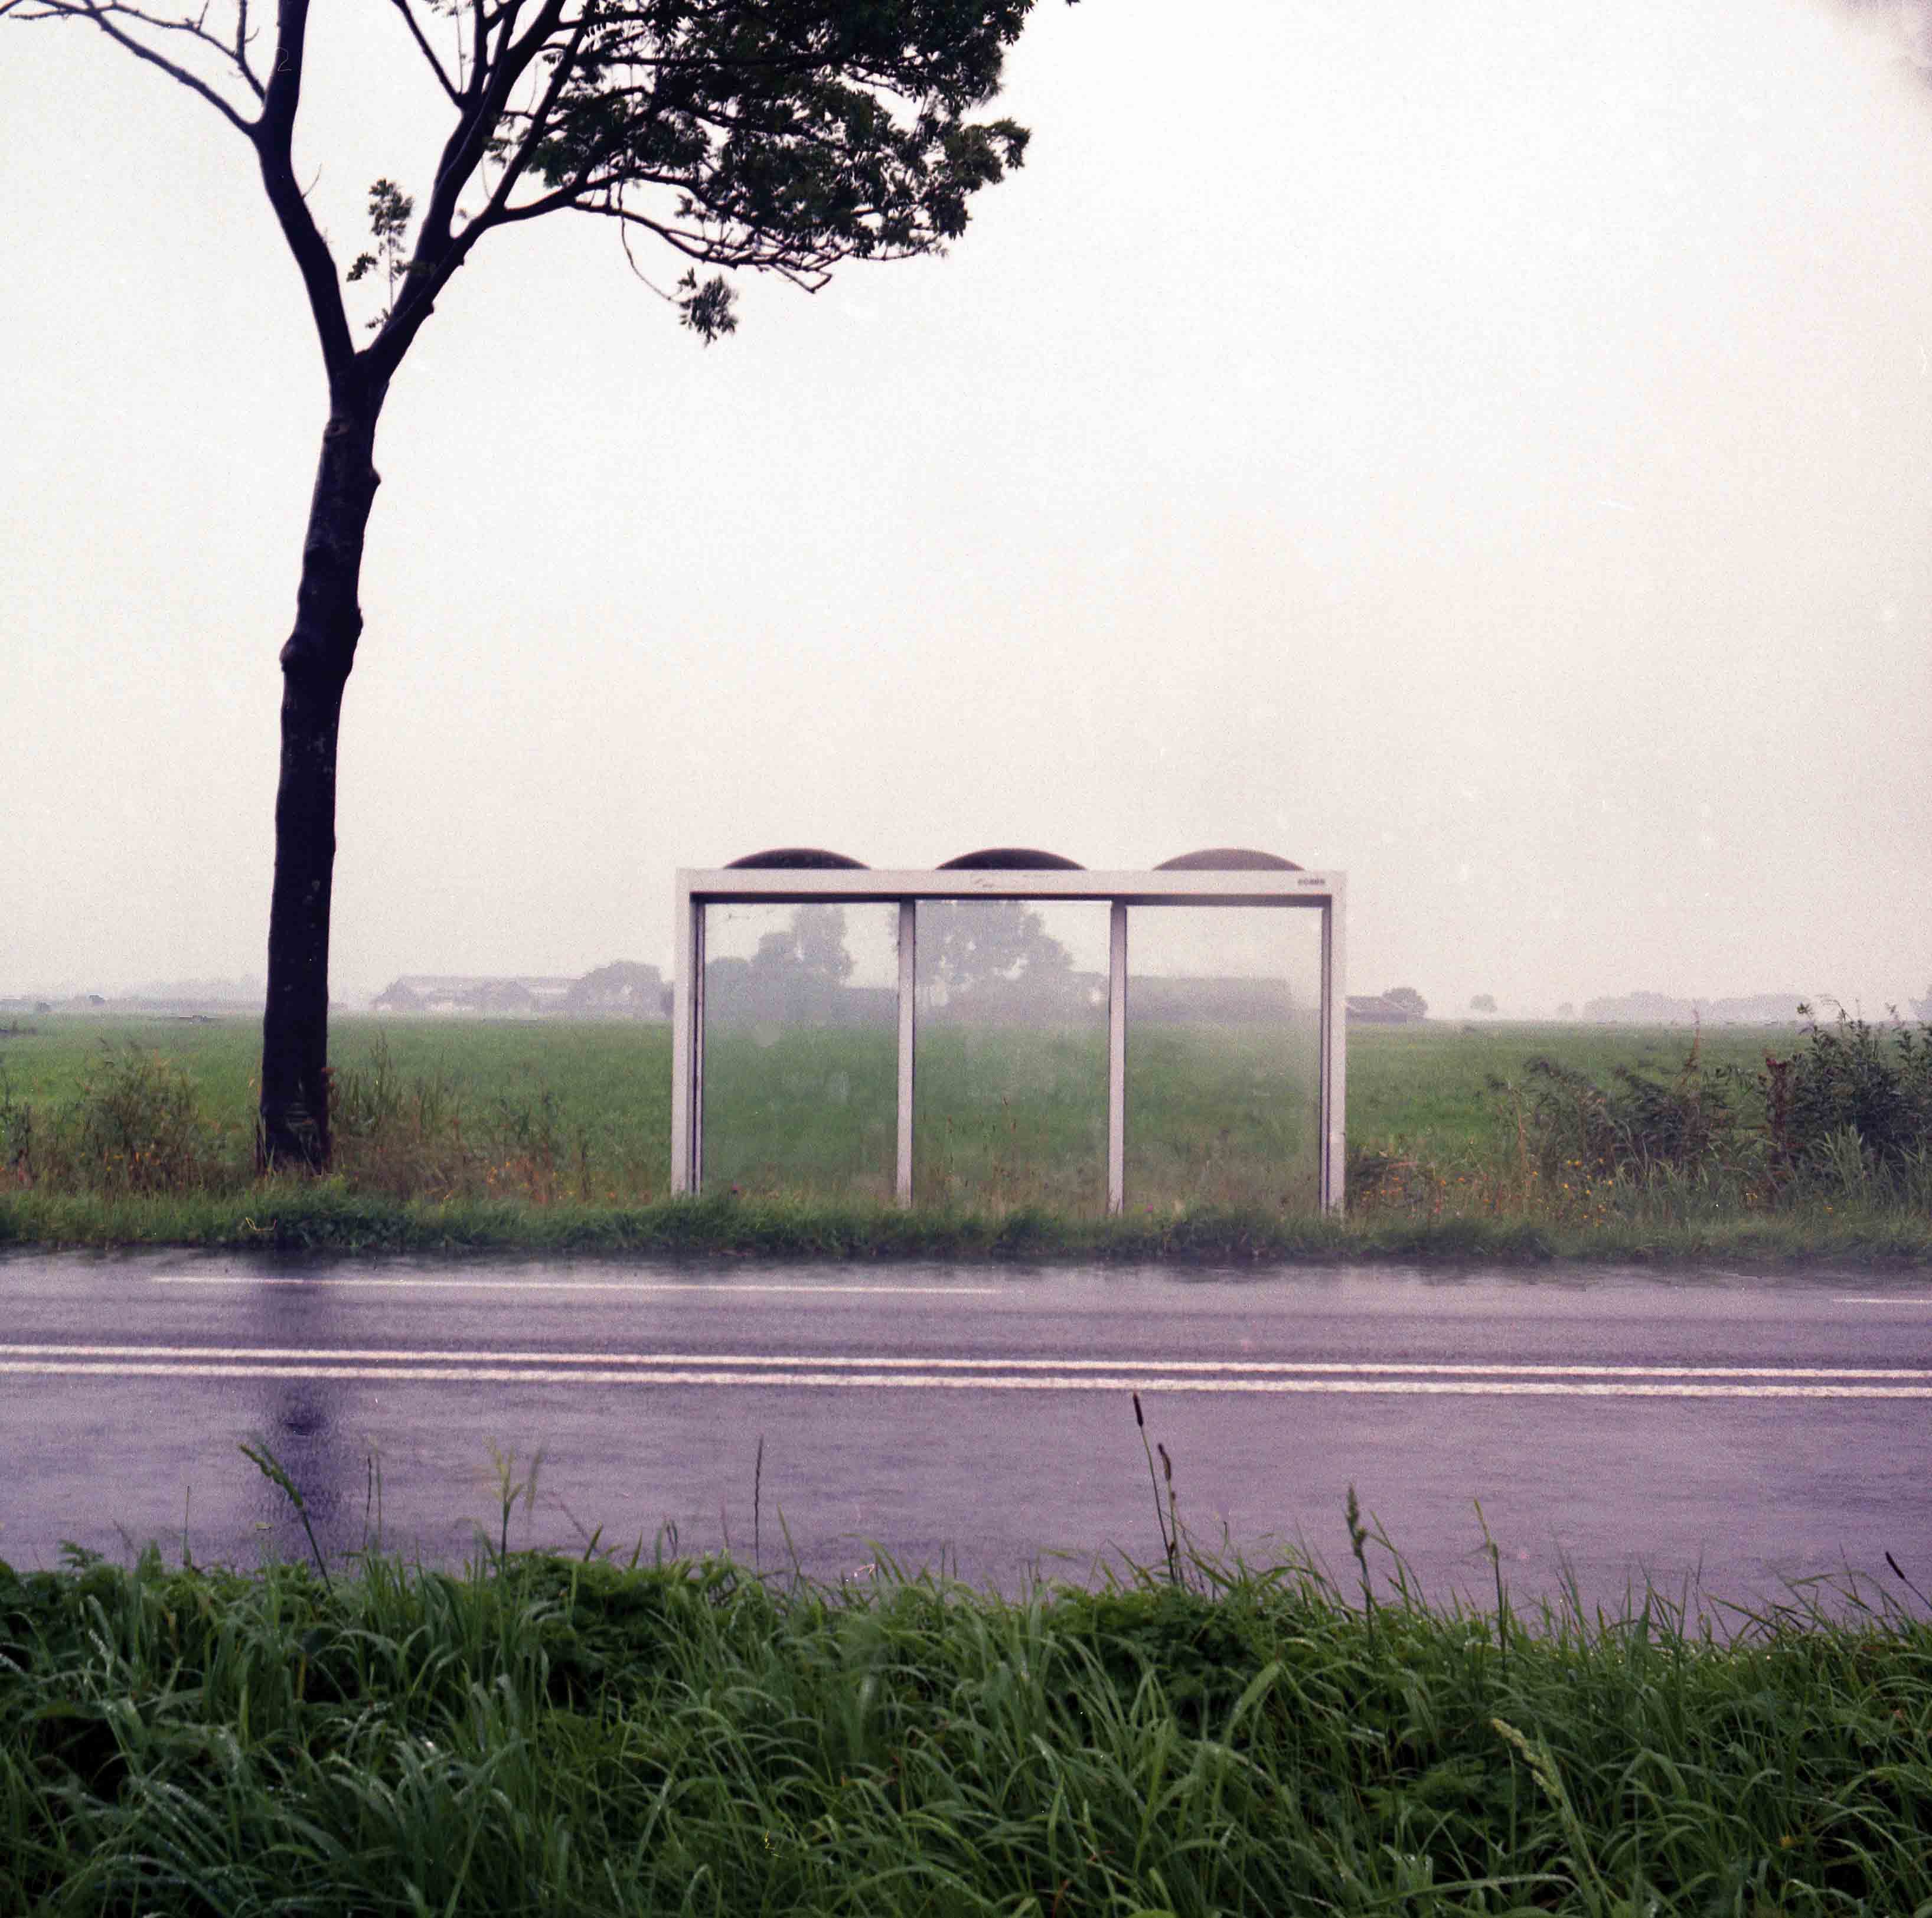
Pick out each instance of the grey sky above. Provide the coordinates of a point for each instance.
(1483, 448)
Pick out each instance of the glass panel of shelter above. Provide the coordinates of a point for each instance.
(800, 1026)
(1010, 1082)
(1224, 1058)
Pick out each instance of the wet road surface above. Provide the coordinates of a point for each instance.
(1719, 1434)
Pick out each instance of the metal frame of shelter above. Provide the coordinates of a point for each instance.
(1276, 885)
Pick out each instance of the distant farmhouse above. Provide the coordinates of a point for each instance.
(520, 998)
(1370, 1010)
(626, 990)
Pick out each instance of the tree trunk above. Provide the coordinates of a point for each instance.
(294, 1129)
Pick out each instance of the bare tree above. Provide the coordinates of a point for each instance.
(779, 136)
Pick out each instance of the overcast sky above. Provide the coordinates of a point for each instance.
(1480, 447)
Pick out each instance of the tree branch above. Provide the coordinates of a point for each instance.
(438, 254)
(461, 158)
(502, 22)
(479, 46)
(106, 14)
(428, 52)
(812, 270)
(241, 65)
(273, 135)
(538, 122)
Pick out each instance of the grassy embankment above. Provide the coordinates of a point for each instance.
(542, 1736)
(554, 1136)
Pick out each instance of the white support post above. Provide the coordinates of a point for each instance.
(1116, 1058)
(908, 1029)
(697, 1050)
(1334, 1056)
(687, 1042)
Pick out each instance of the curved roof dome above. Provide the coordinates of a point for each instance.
(1228, 860)
(1012, 859)
(799, 858)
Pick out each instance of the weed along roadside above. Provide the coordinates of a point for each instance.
(1503, 1145)
(1199, 1735)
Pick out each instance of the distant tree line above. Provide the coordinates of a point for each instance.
(799, 976)
(985, 962)
(626, 989)
(994, 958)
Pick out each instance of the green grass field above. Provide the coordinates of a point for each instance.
(1422, 1088)
(1004, 1119)
(505, 1130)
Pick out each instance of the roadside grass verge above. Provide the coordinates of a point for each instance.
(538, 1735)
(326, 1216)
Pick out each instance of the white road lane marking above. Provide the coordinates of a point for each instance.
(1876, 1299)
(803, 1377)
(721, 1284)
(792, 1361)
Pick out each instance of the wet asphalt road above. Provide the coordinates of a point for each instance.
(1719, 1434)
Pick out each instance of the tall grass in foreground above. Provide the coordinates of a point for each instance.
(539, 1736)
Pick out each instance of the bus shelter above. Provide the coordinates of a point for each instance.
(1198, 989)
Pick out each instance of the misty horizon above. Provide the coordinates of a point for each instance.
(1634, 1004)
